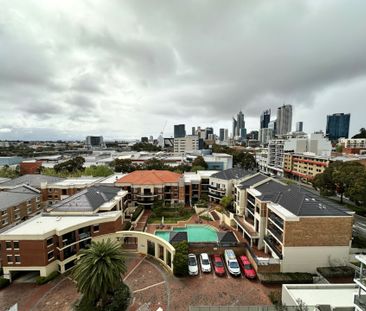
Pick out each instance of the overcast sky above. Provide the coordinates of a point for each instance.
(122, 69)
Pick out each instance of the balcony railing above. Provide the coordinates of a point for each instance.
(277, 220)
(274, 245)
(250, 208)
(84, 235)
(361, 277)
(275, 232)
(360, 301)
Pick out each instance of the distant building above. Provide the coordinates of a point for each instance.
(30, 167)
(226, 135)
(284, 119)
(179, 130)
(353, 145)
(299, 126)
(223, 135)
(239, 127)
(338, 126)
(265, 119)
(219, 161)
(94, 142)
(193, 130)
(315, 143)
(265, 135)
(273, 126)
(253, 135)
(209, 131)
(186, 144)
(144, 139)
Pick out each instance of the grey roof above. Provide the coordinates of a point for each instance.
(300, 201)
(33, 180)
(227, 237)
(233, 173)
(252, 181)
(87, 200)
(15, 196)
(178, 236)
(3, 179)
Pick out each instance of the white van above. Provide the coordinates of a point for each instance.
(231, 262)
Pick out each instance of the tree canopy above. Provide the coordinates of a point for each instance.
(362, 133)
(344, 178)
(72, 165)
(8, 172)
(145, 147)
(98, 271)
(200, 161)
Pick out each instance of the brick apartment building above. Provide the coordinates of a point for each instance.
(18, 204)
(60, 190)
(297, 229)
(304, 166)
(48, 243)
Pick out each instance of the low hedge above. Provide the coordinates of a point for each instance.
(137, 213)
(286, 278)
(4, 282)
(336, 272)
(126, 225)
(45, 279)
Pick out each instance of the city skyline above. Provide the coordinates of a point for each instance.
(67, 72)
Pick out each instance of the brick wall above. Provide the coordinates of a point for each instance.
(320, 231)
(30, 167)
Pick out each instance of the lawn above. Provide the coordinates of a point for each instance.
(171, 215)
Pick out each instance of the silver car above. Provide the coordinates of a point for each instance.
(205, 263)
(192, 264)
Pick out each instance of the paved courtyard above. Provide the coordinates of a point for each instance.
(152, 287)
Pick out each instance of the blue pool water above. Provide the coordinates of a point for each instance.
(196, 233)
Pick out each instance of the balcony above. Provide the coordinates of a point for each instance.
(251, 199)
(84, 235)
(273, 245)
(250, 208)
(147, 195)
(360, 276)
(70, 251)
(277, 220)
(360, 301)
(275, 232)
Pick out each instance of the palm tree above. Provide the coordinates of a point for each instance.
(99, 270)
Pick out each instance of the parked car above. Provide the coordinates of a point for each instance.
(231, 262)
(218, 265)
(192, 264)
(246, 267)
(205, 263)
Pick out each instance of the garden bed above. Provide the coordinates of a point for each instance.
(286, 278)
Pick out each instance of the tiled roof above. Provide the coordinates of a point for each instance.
(152, 177)
(233, 173)
(87, 200)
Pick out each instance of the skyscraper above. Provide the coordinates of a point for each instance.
(239, 126)
(338, 126)
(235, 123)
(265, 119)
(193, 130)
(284, 119)
(209, 130)
(179, 130)
(299, 126)
(222, 135)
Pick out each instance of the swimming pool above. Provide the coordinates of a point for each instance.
(196, 233)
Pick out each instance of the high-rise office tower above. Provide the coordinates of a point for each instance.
(193, 130)
(222, 135)
(265, 119)
(226, 135)
(338, 126)
(299, 126)
(235, 124)
(179, 130)
(209, 131)
(284, 119)
(273, 126)
(241, 123)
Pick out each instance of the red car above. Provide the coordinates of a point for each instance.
(218, 265)
(246, 267)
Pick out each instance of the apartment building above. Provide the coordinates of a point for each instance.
(354, 145)
(270, 160)
(304, 166)
(48, 243)
(186, 144)
(18, 204)
(219, 161)
(296, 228)
(222, 183)
(196, 186)
(60, 190)
(146, 187)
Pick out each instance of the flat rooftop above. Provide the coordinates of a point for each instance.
(47, 224)
(85, 180)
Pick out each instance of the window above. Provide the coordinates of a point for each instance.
(16, 244)
(96, 228)
(8, 245)
(17, 216)
(29, 210)
(10, 259)
(29, 202)
(50, 255)
(17, 259)
(4, 213)
(4, 222)
(38, 199)
(38, 205)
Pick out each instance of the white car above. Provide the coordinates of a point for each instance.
(232, 263)
(205, 263)
(192, 264)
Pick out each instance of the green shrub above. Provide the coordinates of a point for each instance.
(137, 213)
(180, 262)
(45, 279)
(120, 300)
(275, 297)
(203, 217)
(334, 272)
(288, 278)
(4, 282)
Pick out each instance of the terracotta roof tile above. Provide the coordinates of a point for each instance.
(152, 177)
